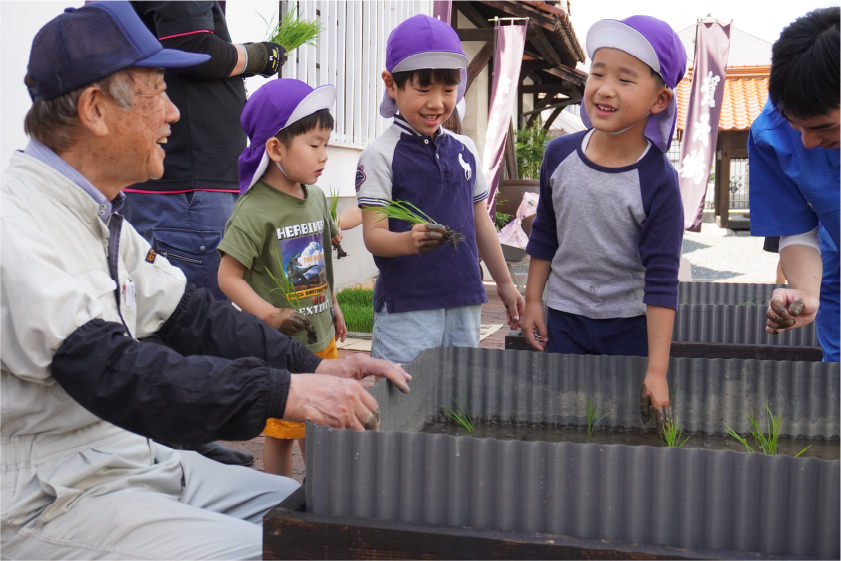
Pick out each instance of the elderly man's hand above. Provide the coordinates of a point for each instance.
(654, 394)
(359, 366)
(332, 402)
(789, 309)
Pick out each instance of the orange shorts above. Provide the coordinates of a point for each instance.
(278, 428)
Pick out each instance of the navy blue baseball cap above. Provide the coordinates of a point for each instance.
(86, 44)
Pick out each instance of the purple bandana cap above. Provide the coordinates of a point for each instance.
(656, 44)
(276, 105)
(423, 42)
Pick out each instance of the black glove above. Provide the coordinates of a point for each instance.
(264, 58)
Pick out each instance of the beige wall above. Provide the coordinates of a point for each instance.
(477, 99)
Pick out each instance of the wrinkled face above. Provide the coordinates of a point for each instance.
(305, 157)
(822, 131)
(620, 91)
(424, 107)
(136, 135)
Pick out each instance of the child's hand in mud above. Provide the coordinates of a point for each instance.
(654, 395)
(289, 321)
(533, 324)
(789, 309)
(426, 238)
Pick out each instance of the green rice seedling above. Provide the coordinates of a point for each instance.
(767, 443)
(593, 418)
(407, 212)
(673, 433)
(287, 288)
(457, 414)
(357, 306)
(292, 31)
(334, 204)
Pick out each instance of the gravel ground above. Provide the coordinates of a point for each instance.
(720, 254)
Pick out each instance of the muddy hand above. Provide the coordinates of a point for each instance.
(662, 415)
(340, 251)
(780, 317)
(373, 421)
(293, 323)
(433, 237)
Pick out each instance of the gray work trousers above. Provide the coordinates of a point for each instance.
(120, 505)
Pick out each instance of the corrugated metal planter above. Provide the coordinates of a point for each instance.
(699, 502)
(734, 293)
(726, 331)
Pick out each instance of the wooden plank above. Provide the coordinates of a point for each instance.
(722, 184)
(343, 104)
(546, 50)
(355, 31)
(471, 13)
(475, 34)
(478, 63)
(293, 534)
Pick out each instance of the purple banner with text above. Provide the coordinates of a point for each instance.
(712, 45)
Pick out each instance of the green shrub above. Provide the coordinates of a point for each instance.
(357, 306)
(530, 145)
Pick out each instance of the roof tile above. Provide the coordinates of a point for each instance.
(745, 92)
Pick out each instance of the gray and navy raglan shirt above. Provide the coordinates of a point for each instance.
(613, 235)
(442, 176)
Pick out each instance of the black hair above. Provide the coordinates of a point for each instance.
(321, 119)
(656, 75)
(805, 65)
(426, 76)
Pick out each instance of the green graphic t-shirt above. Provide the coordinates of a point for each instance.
(290, 237)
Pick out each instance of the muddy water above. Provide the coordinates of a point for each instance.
(826, 449)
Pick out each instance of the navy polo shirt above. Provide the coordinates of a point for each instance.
(440, 175)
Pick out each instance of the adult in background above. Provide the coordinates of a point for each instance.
(85, 395)
(183, 213)
(794, 173)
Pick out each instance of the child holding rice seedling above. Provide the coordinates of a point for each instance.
(607, 235)
(428, 293)
(274, 263)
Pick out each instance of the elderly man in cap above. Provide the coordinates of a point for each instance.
(106, 349)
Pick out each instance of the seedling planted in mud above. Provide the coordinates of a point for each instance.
(767, 443)
(457, 414)
(407, 212)
(673, 433)
(287, 288)
(593, 418)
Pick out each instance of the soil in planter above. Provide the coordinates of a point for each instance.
(820, 448)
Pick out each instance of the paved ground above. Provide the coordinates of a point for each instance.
(714, 254)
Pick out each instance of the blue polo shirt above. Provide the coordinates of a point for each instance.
(792, 190)
(440, 175)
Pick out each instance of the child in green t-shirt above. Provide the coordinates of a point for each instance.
(276, 259)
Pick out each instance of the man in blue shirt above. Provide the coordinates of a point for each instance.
(794, 174)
